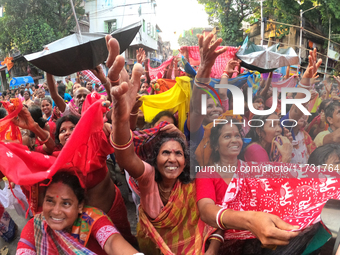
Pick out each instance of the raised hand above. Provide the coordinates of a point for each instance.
(99, 73)
(24, 120)
(140, 55)
(208, 53)
(230, 67)
(313, 65)
(138, 103)
(123, 91)
(185, 54)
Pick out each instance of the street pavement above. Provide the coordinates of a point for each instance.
(130, 206)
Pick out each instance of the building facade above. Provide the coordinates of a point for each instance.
(106, 16)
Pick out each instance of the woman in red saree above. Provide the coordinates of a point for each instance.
(67, 226)
(270, 206)
(87, 139)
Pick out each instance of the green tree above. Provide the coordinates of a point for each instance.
(189, 37)
(288, 11)
(228, 16)
(28, 25)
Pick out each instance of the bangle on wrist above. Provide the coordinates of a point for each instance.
(221, 219)
(217, 237)
(218, 219)
(48, 137)
(197, 81)
(304, 86)
(200, 86)
(124, 146)
(134, 114)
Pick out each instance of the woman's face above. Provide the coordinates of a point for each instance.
(333, 159)
(229, 142)
(271, 128)
(89, 86)
(213, 111)
(61, 206)
(41, 93)
(66, 129)
(170, 160)
(26, 95)
(46, 107)
(75, 87)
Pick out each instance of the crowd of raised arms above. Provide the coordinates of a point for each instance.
(57, 139)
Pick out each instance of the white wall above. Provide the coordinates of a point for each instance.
(125, 12)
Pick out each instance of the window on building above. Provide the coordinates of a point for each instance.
(110, 26)
(149, 28)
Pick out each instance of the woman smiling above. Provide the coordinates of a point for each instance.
(65, 218)
(169, 220)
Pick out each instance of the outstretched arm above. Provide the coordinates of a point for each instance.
(208, 54)
(117, 245)
(310, 73)
(99, 73)
(124, 97)
(146, 67)
(58, 100)
(26, 121)
(268, 228)
(264, 92)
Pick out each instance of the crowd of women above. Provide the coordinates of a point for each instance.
(57, 149)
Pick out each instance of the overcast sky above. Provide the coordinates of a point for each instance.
(178, 15)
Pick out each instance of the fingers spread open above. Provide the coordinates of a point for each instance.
(217, 43)
(222, 50)
(207, 41)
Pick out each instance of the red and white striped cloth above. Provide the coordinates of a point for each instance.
(158, 72)
(89, 76)
(221, 60)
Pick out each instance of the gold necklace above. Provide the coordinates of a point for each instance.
(164, 197)
(159, 186)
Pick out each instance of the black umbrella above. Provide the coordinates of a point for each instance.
(77, 52)
(265, 60)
